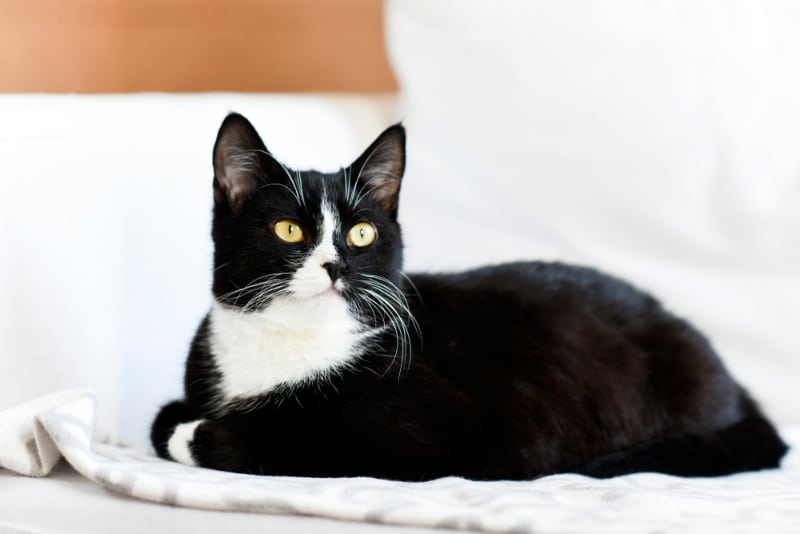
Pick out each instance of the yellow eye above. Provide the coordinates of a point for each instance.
(362, 234)
(289, 231)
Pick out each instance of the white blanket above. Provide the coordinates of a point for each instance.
(33, 437)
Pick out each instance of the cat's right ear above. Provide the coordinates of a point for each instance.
(238, 162)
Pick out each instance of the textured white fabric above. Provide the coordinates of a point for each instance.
(77, 505)
(767, 501)
(655, 140)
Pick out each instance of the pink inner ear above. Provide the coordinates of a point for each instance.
(383, 172)
(380, 168)
(238, 192)
(237, 169)
(384, 188)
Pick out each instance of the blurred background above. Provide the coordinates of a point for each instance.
(655, 140)
(120, 46)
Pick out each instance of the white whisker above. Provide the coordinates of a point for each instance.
(388, 304)
(298, 188)
(260, 290)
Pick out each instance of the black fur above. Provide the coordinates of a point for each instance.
(516, 371)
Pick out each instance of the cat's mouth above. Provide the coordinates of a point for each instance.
(336, 289)
(329, 292)
(315, 284)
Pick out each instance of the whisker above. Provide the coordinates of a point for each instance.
(298, 188)
(258, 291)
(363, 194)
(413, 285)
(388, 303)
(218, 267)
(276, 184)
(397, 326)
(390, 289)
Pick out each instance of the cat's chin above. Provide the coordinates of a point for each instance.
(330, 292)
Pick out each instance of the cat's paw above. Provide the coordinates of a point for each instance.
(180, 443)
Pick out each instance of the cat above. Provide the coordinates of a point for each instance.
(320, 357)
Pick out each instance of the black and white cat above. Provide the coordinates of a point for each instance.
(319, 357)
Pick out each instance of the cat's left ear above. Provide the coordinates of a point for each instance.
(380, 168)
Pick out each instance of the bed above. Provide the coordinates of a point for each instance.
(595, 135)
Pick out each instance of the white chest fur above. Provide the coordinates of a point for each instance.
(289, 342)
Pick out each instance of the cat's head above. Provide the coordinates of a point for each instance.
(280, 232)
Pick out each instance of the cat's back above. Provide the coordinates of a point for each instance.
(520, 291)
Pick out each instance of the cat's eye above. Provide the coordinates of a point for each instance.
(362, 234)
(288, 230)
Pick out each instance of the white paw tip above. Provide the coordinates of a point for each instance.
(178, 444)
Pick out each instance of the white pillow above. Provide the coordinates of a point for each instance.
(659, 141)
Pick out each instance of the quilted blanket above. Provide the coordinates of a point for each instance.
(36, 435)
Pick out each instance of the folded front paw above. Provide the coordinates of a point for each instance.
(180, 444)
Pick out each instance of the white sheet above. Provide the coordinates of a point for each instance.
(767, 501)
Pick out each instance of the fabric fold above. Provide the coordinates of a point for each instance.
(26, 447)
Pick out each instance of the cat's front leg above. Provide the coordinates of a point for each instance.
(302, 444)
(213, 443)
(179, 446)
(169, 417)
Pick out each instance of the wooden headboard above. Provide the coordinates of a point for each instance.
(192, 45)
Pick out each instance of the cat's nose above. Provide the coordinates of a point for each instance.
(335, 269)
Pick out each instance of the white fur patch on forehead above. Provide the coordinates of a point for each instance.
(330, 227)
(312, 278)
